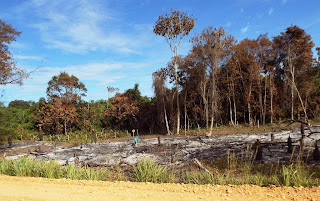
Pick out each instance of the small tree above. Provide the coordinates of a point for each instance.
(174, 27)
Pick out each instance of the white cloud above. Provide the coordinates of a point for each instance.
(244, 29)
(24, 57)
(80, 27)
(18, 45)
(95, 76)
(270, 11)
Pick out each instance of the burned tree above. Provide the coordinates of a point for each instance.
(294, 49)
(174, 27)
(63, 93)
(211, 47)
(9, 72)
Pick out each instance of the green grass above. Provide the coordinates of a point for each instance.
(233, 170)
(49, 169)
(147, 171)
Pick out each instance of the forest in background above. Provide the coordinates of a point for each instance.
(221, 81)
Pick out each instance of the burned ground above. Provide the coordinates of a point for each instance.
(174, 150)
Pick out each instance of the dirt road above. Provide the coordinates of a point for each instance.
(26, 188)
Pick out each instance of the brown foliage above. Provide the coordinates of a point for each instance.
(123, 111)
(64, 92)
(10, 73)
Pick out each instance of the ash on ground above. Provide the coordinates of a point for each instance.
(172, 150)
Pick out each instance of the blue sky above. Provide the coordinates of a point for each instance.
(111, 42)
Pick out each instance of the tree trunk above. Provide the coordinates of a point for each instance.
(234, 104)
(205, 102)
(213, 95)
(166, 120)
(177, 93)
(249, 106)
(231, 115)
(260, 101)
(185, 119)
(271, 98)
(265, 102)
(291, 69)
(65, 127)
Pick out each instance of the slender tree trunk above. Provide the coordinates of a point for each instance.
(301, 102)
(271, 99)
(166, 120)
(207, 115)
(231, 115)
(249, 106)
(65, 127)
(234, 104)
(260, 100)
(265, 102)
(185, 119)
(213, 96)
(291, 69)
(205, 102)
(177, 93)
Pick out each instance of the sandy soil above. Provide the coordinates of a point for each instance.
(26, 188)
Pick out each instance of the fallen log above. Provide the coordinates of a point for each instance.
(197, 162)
(125, 163)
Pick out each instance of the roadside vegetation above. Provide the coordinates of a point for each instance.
(233, 170)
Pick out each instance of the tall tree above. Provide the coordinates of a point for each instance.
(212, 46)
(174, 27)
(294, 48)
(63, 93)
(9, 72)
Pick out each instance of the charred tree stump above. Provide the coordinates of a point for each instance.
(41, 133)
(159, 142)
(289, 145)
(272, 137)
(302, 129)
(302, 143)
(10, 140)
(259, 152)
(76, 162)
(316, 152)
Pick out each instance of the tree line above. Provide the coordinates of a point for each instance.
(225, 81)
(220, 81)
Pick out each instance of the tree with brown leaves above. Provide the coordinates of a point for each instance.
(9, 72)
(294, 48)
(212, 47)
(174, 27)
(63, 93)
(123, 112)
